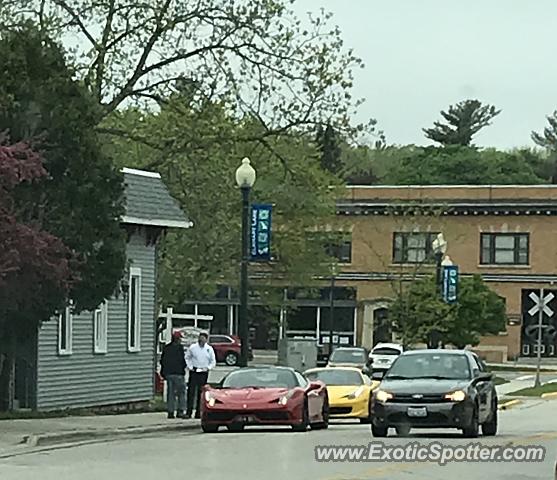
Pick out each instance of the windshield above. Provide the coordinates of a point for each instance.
(262, 378)
(348, 356)
(385, 351)
(336, 377)
(429, 365)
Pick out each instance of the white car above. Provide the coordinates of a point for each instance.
(383, 355)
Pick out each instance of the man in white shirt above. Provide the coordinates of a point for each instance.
(200, 359)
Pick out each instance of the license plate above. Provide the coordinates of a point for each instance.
(417, 412)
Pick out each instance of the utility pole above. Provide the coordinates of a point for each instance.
(332, 314)
(538, 382)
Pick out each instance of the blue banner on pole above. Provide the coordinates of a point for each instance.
(261, 232)
(450, 283)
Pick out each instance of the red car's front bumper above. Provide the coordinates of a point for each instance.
(256, 414)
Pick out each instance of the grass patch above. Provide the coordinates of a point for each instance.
(536, 392)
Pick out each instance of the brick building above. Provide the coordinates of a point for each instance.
(505, 233)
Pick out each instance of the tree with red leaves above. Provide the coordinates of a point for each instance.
(31, 259)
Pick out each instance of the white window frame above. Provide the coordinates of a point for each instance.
(100, 329)
(68, 334)
(134, 344)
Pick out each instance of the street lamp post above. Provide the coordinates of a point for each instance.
(331, 313)
(245, 178)
(439, 249)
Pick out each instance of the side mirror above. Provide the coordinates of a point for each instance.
(377, 375)
(485, 377)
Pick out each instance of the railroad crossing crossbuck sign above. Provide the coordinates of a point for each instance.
(541, 304)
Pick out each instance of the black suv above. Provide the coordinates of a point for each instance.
(435, 389)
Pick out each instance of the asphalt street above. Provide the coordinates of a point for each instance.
(275, 454)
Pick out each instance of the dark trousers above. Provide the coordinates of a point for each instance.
(176, 393)
(196, 381)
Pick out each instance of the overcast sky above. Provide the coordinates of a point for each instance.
(423, 55)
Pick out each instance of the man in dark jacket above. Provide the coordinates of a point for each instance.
(173, 370)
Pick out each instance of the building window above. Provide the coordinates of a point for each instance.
(100, 329)
(504, 249)
(338, 245)
(134, 311)
(341, 250)
(65, 331)
(413, 247)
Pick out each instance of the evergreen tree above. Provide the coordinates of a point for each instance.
(462, 122)
(329, 148)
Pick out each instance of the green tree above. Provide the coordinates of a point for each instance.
(365, 164)
(328, 143)
(35, 266)
(548, 140)
(253, 54)
(419, 314)
(81, 200)
(457, 165)
(479, 311)
(201, 176)
(461, 122)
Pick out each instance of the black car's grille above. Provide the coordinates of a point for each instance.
(264, 416)
(432, 418)
(416, 398)
(340, 410)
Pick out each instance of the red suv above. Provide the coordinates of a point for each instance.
(227, 348)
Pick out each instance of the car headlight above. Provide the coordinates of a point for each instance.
(356, 393)
(210, 399)
(383, 396)
(284, 399)
(457, 396)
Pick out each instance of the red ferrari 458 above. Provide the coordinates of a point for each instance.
(265, 396)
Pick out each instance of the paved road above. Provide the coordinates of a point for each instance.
(277, 454)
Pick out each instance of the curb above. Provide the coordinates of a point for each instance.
(38, 440)
(550, 395)
(509, 404)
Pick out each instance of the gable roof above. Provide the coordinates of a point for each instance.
(148, 201)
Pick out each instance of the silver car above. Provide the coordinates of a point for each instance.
(383, 355)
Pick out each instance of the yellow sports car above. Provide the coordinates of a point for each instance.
(349, 391)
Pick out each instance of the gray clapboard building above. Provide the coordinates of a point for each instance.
(107, 357)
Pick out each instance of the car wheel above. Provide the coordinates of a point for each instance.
(379, 431)
(472, 430)
(303, 426)
(235, 427)
(231, 359)
(489, 428)
(209, 428)
(403, 430)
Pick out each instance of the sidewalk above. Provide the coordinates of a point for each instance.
(18, 435)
